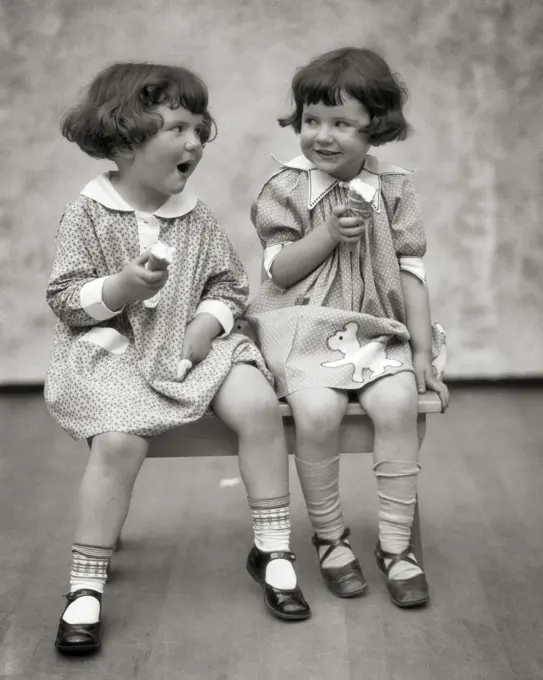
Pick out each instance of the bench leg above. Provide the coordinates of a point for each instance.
(416, 539)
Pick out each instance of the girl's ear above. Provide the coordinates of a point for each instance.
(125, 155)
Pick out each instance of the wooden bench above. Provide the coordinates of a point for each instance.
(210, 437)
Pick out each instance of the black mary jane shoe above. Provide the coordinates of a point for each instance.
(289, 605)
(410, 592)
(347, 580)
(78, 638)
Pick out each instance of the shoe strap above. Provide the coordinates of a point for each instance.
(333, 543)
(397, 557)
(83, 592)
(281, 555)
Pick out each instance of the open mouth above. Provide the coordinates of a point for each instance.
(184, 168)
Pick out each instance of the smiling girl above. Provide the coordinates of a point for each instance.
(126, 333)
(345, 308)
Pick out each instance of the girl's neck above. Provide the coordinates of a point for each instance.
(348, 179)
(140, 198)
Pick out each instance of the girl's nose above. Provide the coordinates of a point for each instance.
(324, 134)
(193, 142)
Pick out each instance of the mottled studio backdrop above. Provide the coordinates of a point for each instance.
(474, 72)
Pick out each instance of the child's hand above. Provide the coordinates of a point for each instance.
(139, 283)
(198, 336)
(425, 377)
(196, 344)
(342, 228)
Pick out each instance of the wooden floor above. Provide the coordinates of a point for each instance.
(181, 606)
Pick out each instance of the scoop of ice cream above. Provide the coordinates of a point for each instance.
(161, 256)
(362, 189)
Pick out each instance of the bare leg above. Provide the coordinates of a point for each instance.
(248, 405)
(318, 413)
(106, 489)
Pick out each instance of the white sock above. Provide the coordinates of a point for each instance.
(280, 574)
(403, 570)
(320, 486)
(85, 609)
(271, 527)
(89, 571)
(396, 487)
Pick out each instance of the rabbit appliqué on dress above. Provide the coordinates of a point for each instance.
(372, 356)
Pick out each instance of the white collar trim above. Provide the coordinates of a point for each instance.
(101, 189)
(321, 183)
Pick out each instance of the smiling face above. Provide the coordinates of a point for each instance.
(331, 137)
(150, 173)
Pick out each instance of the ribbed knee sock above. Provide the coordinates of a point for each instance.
(271, 527)
(89, 570)
(397, 491)
(320, 486)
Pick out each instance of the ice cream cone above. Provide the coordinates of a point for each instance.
(360, 197)
(161, 256)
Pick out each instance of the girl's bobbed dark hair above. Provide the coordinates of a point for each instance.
(118, 110)
(361, 74)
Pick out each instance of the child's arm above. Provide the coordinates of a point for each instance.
(419, 324)
(226, 289)
(300, 258)
(280, 218)
(223, 299)
(76, 292)
(410, 244)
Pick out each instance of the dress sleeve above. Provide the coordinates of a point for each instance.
(226, 289)
(408, 231)
(74, 291)
(277, 214)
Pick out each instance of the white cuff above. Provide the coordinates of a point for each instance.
(90, 297)
(220, 311)
(415, 266)
(270, 253)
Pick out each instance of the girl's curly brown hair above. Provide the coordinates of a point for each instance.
(119, 108)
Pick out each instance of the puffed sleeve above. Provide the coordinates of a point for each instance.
(407, 229)
(277, 213)
(74, 291)
(226, 289)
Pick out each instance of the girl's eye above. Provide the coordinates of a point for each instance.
(342, 124)
(179, 128)
(310, 121)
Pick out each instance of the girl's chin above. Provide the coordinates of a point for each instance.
(178, 184)
(345, 175)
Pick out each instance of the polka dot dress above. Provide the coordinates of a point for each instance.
(343, 325)
(90, 389)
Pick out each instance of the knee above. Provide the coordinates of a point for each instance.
(395, 408)
(118, 454)
(317, 422)
(261, 412)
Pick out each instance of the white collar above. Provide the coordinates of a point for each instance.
(321, 183)
(101, 189)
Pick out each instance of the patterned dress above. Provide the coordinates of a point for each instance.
(344, 325)
(119, 371)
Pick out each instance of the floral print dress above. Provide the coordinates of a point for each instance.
(119, 371)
